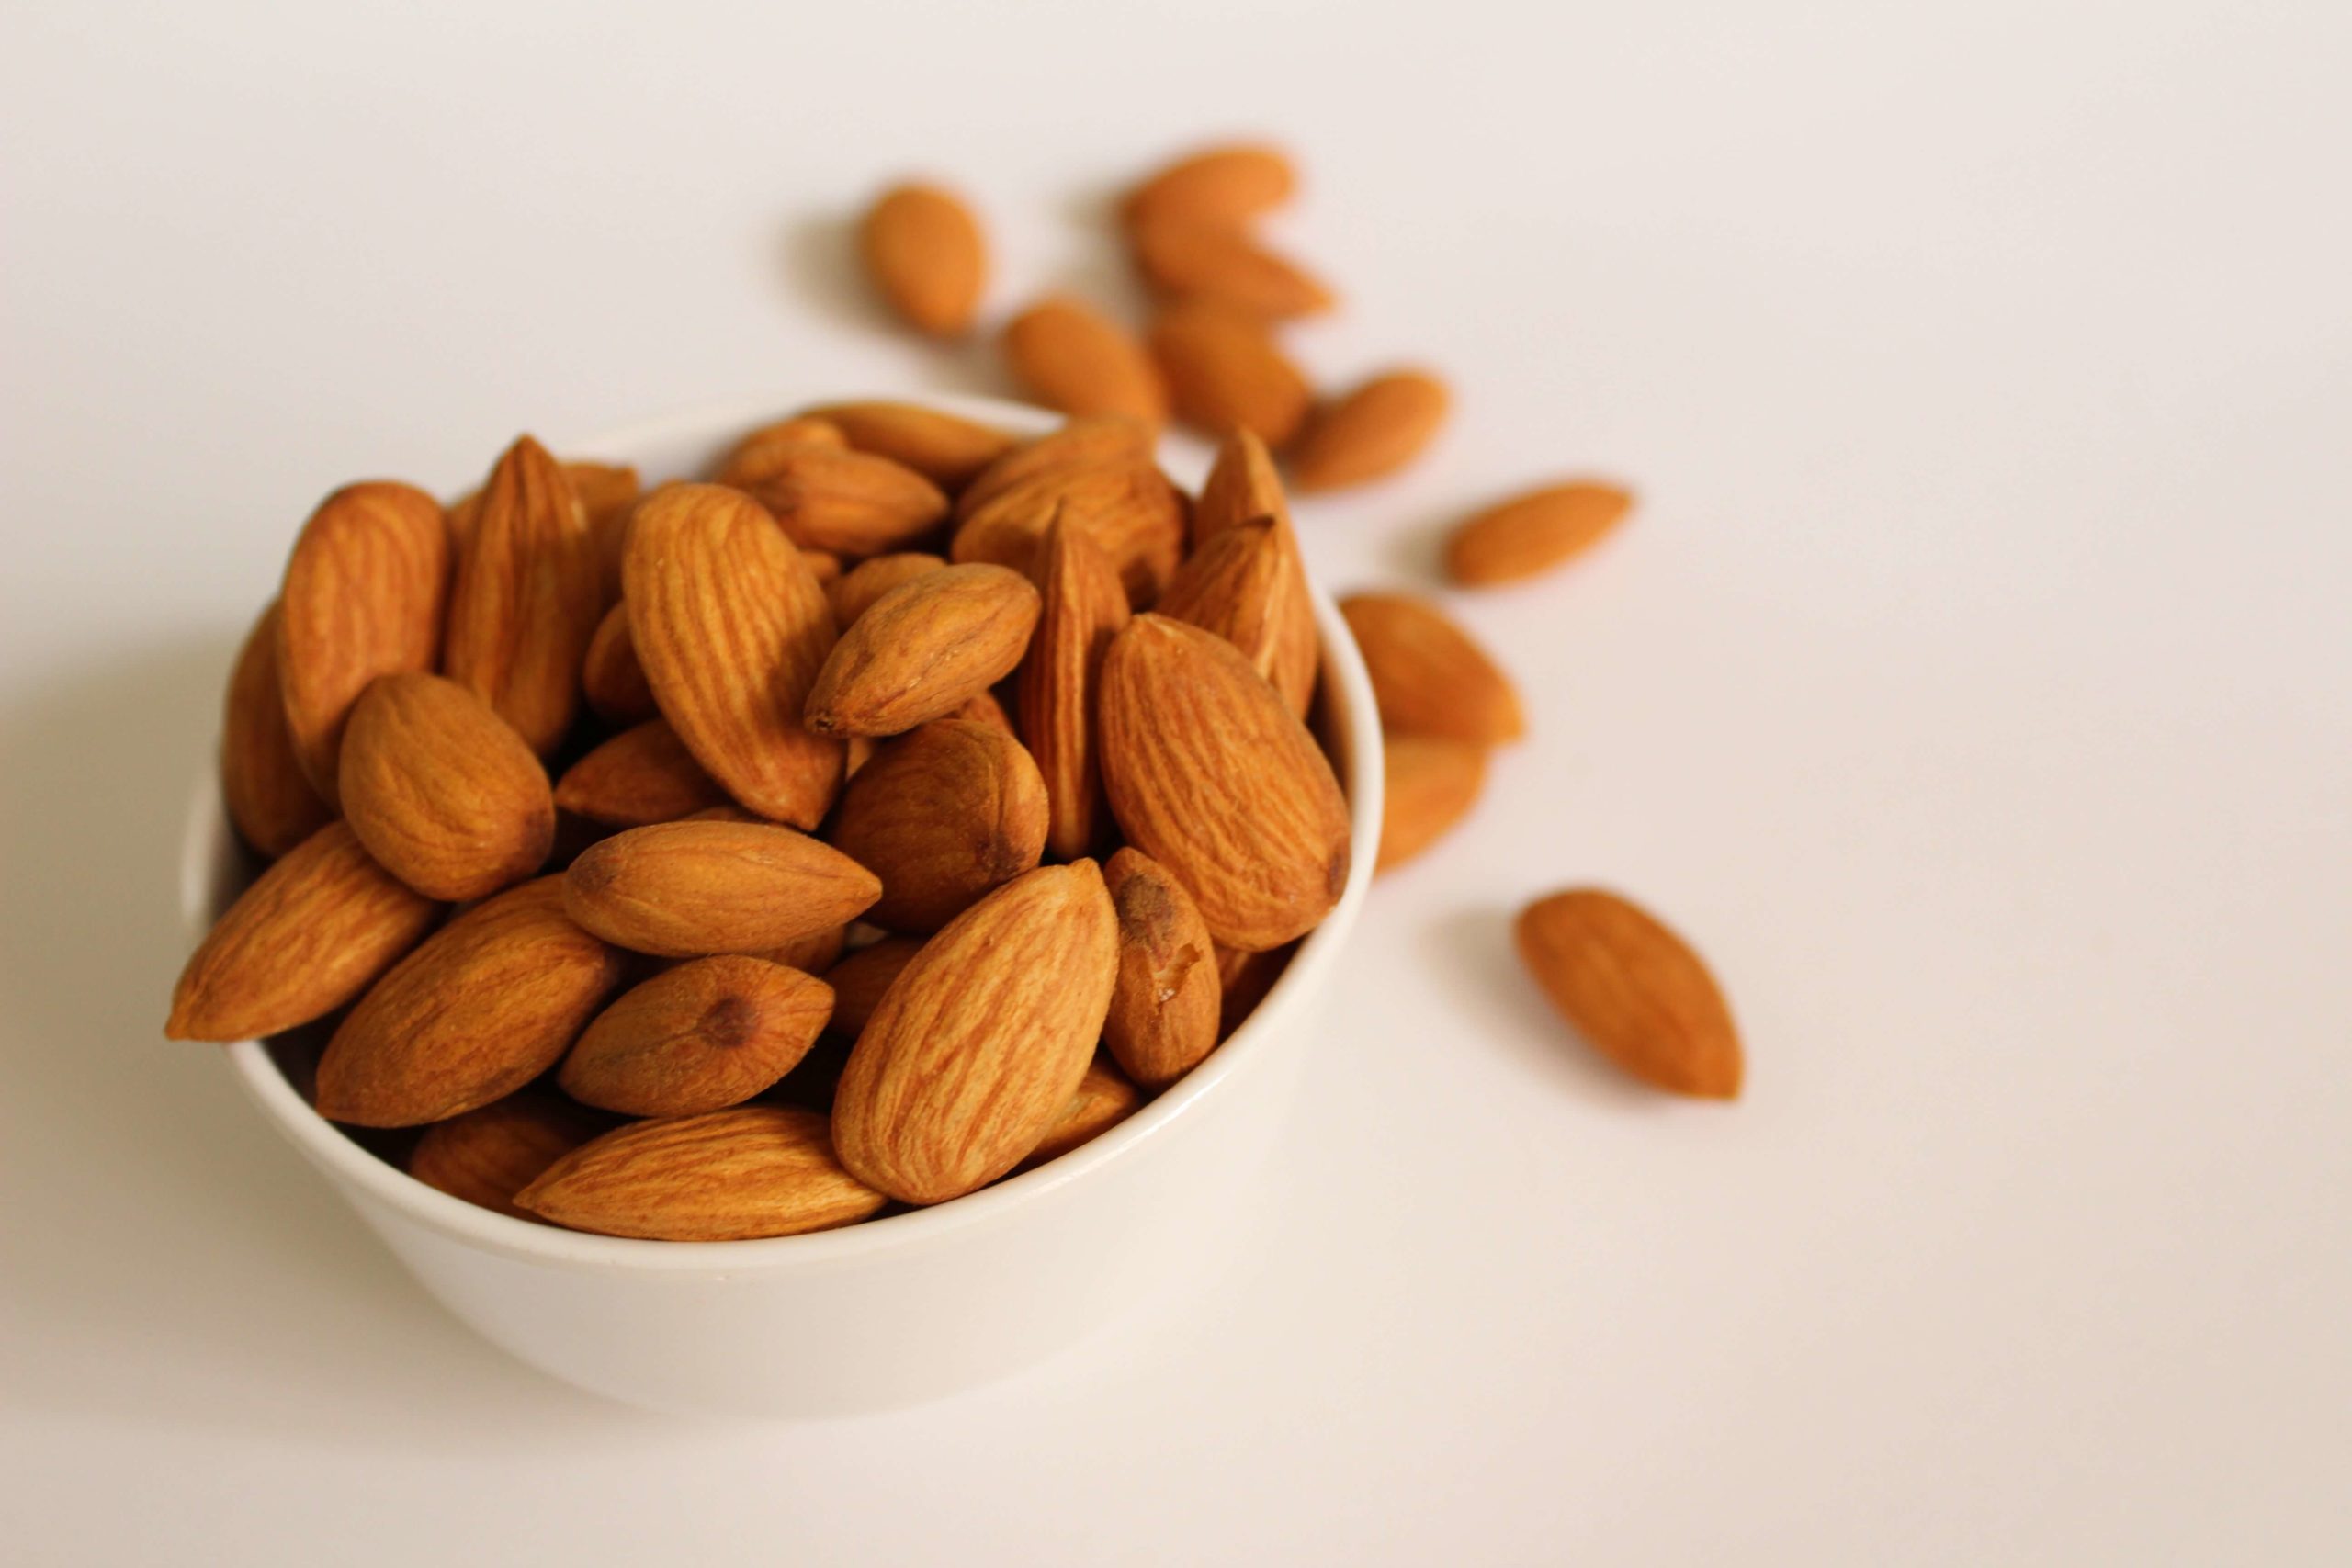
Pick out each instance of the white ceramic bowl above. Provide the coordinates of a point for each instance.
(897, 1310)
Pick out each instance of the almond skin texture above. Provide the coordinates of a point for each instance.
(313, 931)
(1219, 185)
(1225, 373)
(1530, 534)
(493, 1000)
(1105, 441)
(683, 889)
(923, 250)
(442, 791)
(1633, 990)
(640, 776)
(731, 628)
(1103, 1100)
(1130, 509)
(1243, 487)
(1083, 607)
(1431, 784)
(1238, 586)
(528, 595)
(262, 784)
(855, 592)
(610, 676)
(1211, 774)
(365, 596)
(756, 1170)
(943, 447)
(979, 1046)
(1069, 355)
(1164, 1007)
(488, 1154)
(925, 649)
(853, 503)
(700, 1037)
(1185, 258)
(860, 980)
(942, 815)
(1430, 678)
(1372, 432)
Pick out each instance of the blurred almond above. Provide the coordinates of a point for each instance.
(1430, 678)
(441, 791)
(1635, 989)
(860, 980)
(1531, 534)
(942, 815)
(1082, 606)
(684, 889)
(642, 775)
(759, 452)
(946, 448)
(1372, 432)
(610, 676)
(1220, 264)
(855, 592)
(1131, 510)
(854, 503)
(272, 805)
(1225, 373)
(754, 1170)
(923, 250)
(1431, 783)
(1107, 440)
(1069, 355)
(487, 1155)
(700, 1037)
(528, 598)
(1222, 184)
(923, 649)
(1164, 1007)
(607, 493)
(1103, 1100)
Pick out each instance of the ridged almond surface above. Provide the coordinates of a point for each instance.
(923, 250)
(442, 791)
(490, 1001)
(611, 677)
(1237, 585)
(1105, 1098)
(1083, 606)
(1211, 774)
(487, 1155)
(1432, 781)
(1225, 184)
(754, 1170)
(942, 815)
(1430, 678)
(1069, 355)
(527, 596)
(732, 628)
(861, 980)
(700, 1037)
(642, 775)
(867, 582)
(1530, 534)
(1635, 989)
(853, 503)
(1130, 509)
(1105, 440)
(979, 1046)
(1164, 1007)
(262, 784)
(925, 648)
(1221, 264)
(1372, 432)
(1226, 373)
(365, 594)
(1243, 487)
(313, 931)
(946, 448)
(684, 889)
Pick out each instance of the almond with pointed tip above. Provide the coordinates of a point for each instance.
(1530, 534)
(1103, 1100)
(268, 799)
(442, 791)
(643, 775)
(365, 596)
(1633, 990)
(1130, 509)
(1070, 357)
(1082, 607)
(734, 1175)
(1243, 487)
(1104, 440)
(862, 978)
(1432, 783)
(1430, 678)
(684, 889)
(313, 932)
(1163, 1017)
(1226, 373)
(1211, 774)
(732, 628)
(979, 1045)
(857, 589)
(854, 503)
(1221, 264)
(1372, 432)
(611, 678)
(946, 448)
(704, 1035)
(925, 648)
(527, 597)
(923, 250)
(942, 815)
(487, 1155)
(1225, 184)
(1237, 585)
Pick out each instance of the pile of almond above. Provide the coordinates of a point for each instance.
(892, 813)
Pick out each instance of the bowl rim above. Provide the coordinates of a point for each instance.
(363, 1173)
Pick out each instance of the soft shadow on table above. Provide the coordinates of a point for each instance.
(1473, 957)
(168, 1258)
(826, 276)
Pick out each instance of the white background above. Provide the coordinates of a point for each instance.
(1975, 686)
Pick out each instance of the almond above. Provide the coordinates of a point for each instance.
(489, 1002)
(1130, 509)
(364, 593)
(1243, 487)
(942, 815)
(756, 1170)
(1635, 989)
(813, 954)
(442, 791)
(1431, 783)
(732, 629)
(1430, 678)
(1107, 441)
(1238, 586)
(1210, 773)
(868, 581)
(1220, 264)
(1372, 432)
(640, 776)
(1532, 533)
(925, 648)
(977, 1047)
(1225, 373)
(527, 597)
(313, 931)
(1069, 355)
(271, 802)
(703, 1036)
(683, 889)
(944, 448)
(488, 1154)
(1222, 184)
(924, 249)
(759, 452)
(607, 493)
(1103, 1100)
(1247, 978)
(1164, 1007)
(824, 566)
(1082, 606)
(861, 980)
(610, 676)
(851, 501)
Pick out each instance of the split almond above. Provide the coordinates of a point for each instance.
(1069, 355)
(684, 889)
(1220, 264)
(611, 678)
(853, 503)
(1530, 534)
(924, 249)
(1635, 989)
(1163, 1016)
(488, 1154)
(262, 784)
(857, 591)
(944, 448)
(1226, 373)
(754, 1170)
(1430, 678)
(924, 649)
(1432, 781)
(1103, 1100)
(942, 815)
(640, 776)
(527, 597)
(1372, 432)
(1218, 185)
(442, 791)
(700, 1037)
(1082, 606)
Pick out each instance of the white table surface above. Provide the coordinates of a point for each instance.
(1975, 686)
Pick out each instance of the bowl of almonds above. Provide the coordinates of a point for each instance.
(789, 915)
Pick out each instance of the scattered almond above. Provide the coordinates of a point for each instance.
(1225, 373)
(1372, 432)
(1530, 534)
(1219, 185)
(924, 249)
(1430, 678)
(1432, 781)
(1069, 355)
(1219, 263)
(1635, 989)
